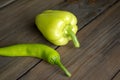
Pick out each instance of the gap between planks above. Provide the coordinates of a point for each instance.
(4, 4)
(118, 72)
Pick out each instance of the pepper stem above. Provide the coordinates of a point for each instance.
(73, 36)
(64, 69)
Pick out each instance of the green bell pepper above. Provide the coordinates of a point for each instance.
(58, 27)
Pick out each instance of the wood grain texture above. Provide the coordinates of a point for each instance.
(117, 77)
(17, 21)
(4, 3)
(84, 11)
(17, 26)
(97, 59)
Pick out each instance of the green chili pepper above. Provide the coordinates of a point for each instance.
(58, 27)
(34, 50)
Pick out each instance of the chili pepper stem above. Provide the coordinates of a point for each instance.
(73, 36)
(64, 69)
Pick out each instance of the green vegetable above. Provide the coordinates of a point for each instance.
(58, 27)
(34, 50)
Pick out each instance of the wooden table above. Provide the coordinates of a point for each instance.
(98, 58)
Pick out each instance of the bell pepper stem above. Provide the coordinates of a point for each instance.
(64, 69)
(73, 36)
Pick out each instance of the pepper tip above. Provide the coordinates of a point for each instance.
(68, 74)
(77, 45)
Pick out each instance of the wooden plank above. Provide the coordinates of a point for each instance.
(4, 3)
(97, 59)
(107, 66)
(17, 26)
(17, 21)
(85, 11)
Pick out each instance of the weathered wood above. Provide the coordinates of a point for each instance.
(85, 11)
(17, 21)
(17, 26)
(97, 59)
(117, 77)
(4, 3)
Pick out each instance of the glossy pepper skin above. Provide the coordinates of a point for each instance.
(34, 50)
(58, 27)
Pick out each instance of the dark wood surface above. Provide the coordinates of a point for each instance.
(4, 3)
(98, 58)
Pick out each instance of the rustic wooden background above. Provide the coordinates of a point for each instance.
(98, 58)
